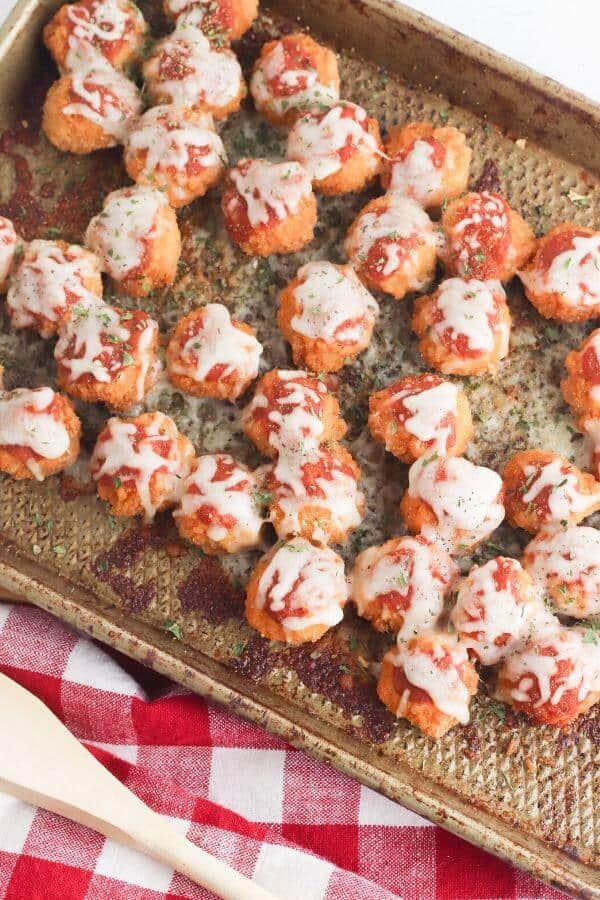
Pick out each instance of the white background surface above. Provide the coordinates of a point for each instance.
(559, 38)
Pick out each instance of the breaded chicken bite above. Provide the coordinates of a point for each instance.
(464, 327)
(176, 150)
(340, 147)
(392, 245)
(564, 564)
(292, 75)
(90, 109)
(562, 280)
(114, 30)
(11, 247)
(420, 414)
(269, 207)
(220, 20)
(49, 278)
(590, 426)
(39, 433)
(137, 239)
(139, 465)
(315, 494)
(297, 592)
(291, 411)
(105, 354)
(210, 354)
(496, 610)
(427, 164)
(581, 387)
(327, 316)
(221, 504)
(485, 238)
(428, 680)
(184, 68)
(554, 678)
(453, 501)
(401, 585)
(543, 488)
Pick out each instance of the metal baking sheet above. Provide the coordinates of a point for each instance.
(527, 794)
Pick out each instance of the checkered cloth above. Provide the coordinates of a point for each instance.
(293, 825)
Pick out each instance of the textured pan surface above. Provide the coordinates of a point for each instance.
(499, 781)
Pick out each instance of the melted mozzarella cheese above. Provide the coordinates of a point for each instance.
(416, 175)
(299, 427)
(232, 496)
(317, 140)
(48, 280)
(402, 218)
(206, 75)
(105, 97)
(574, 273)
(120, 233)
(270, 188)
(106, 20)
(568, 558)
(334, 305)
(428, 410)
(418, 572)
(303, 88)
(537, 666)
(9, 242)
(443, 684)
(464, 498)
(121, 452)
(483, 210)
(339, 491)
(218, 343)
(468, 310)
(565, 498)
(25, 422)
(306, 581)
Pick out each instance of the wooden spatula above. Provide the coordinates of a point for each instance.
(43, 764)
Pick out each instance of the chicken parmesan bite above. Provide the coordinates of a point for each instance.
(427, 164)
(401, 585)
(185, 69)
(297, 592)
(210, 354)
(220, 506)
(10, 250)
(39, 433)
(428, 680)
(292, 75)
(581, 387)
(139, 465)
(137, 239)
(452, 501)
(485, 238)
(421, 414)
(464, 327)
(340, 148)
(50, 277)
(112, 29)
(175, 150)
(315, 494)
(290, 411)
(553, 679)
(269, 207)
(90, 109)
(392, 245)
(543, 488)
(562, 280)
(496, 609)
(220, 20)
(564, 564)
(105, 354)
(327, 316)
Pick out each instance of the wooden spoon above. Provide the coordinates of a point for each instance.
(43, 764)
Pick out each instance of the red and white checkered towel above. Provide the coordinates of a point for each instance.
(292, 824)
